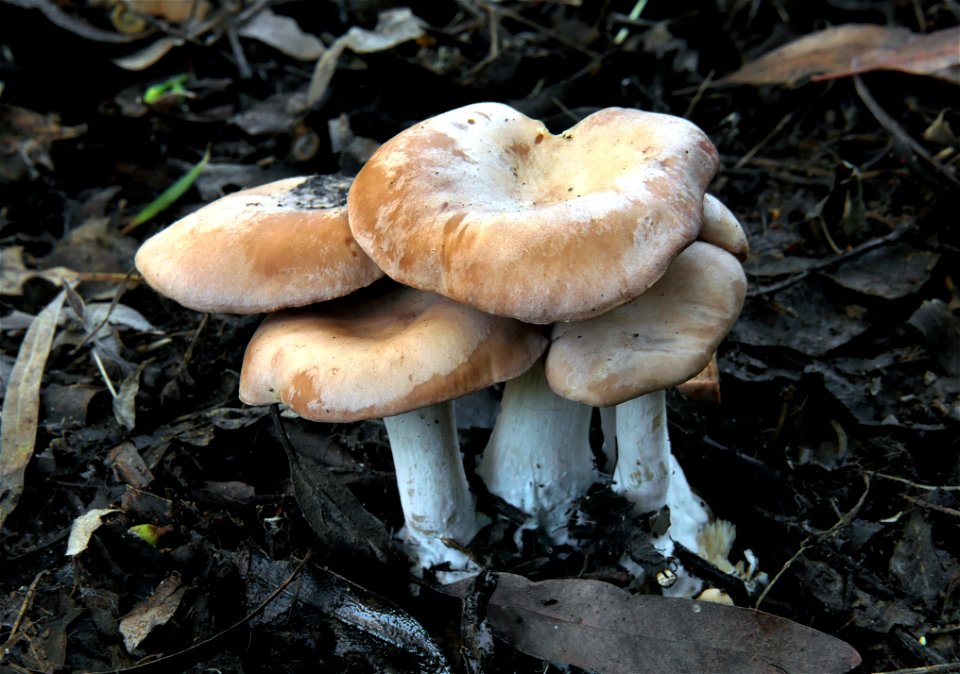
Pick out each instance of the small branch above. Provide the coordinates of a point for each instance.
(890, 124)
(814, 540)
(915, 485)
(838, 259)
(944, 668)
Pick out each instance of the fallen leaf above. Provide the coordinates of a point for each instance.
(128, 465)
(394, 27)
(355, 610)
(146, 57)
(336, 516)
(174, 11)
(935, 54)
(21, 405)
(14, 273)
(804, 317)
(599, 627)
(82, 529)
(157, 610)
(924, 570)
(890, 272)
(842, 51)
(25, 140)
(283, 34)
(125, 404)
(378, 617)
(940, 328)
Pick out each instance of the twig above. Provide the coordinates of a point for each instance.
(22, 613)
(943, 510)
(106, 318)
(553, 35)
(813, 541)
(756, 148)
(945, 667)
(103, 373)
(170, 662)
(890, 124)
(916, 485)
(829, 262)
(699, 94)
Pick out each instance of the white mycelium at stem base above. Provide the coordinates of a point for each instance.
(434, 494)
(538, 457)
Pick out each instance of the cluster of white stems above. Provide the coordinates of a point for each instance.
(539, 460)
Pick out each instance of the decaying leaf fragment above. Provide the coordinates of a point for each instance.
(156, 610)
(394, 27)
(842, 51)
(25, 140)
(83, 528)
(599, 627)
(283, 34)
(21, 406)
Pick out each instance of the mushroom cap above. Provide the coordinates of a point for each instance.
(484, 205)
(376, 355)
(721, 228)
(283, 244)
(658, 340)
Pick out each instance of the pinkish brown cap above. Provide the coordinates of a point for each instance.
(484, 205)
(377, 355)
(658, 340)
(283, 244)
(721, 228)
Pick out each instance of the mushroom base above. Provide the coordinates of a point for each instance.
(538, 458)
(688, 516)
(434, 494)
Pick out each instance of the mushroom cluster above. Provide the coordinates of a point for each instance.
(495, 233)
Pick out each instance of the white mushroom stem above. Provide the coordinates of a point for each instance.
(688, 516)
(538, 458)
(642, 474)
(608, 426)
(648, 474)
(434, 493)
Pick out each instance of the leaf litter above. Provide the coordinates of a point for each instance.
(843, 364)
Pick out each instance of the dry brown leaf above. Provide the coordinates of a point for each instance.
(155, 611)
(283, 34)
(394, 27)
(83, 527)
(935, 54)
(25, 140)
(21, 406)
(846, 50)
(146, 57)
(602, 628)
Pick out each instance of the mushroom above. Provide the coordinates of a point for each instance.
(629, 356)
(401, 354)
(283, 244)
(484, 205)
(539, 458)
(721, 228)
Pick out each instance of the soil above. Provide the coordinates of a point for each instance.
(834, 449)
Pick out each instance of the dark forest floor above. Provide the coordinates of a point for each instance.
(835, 450)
